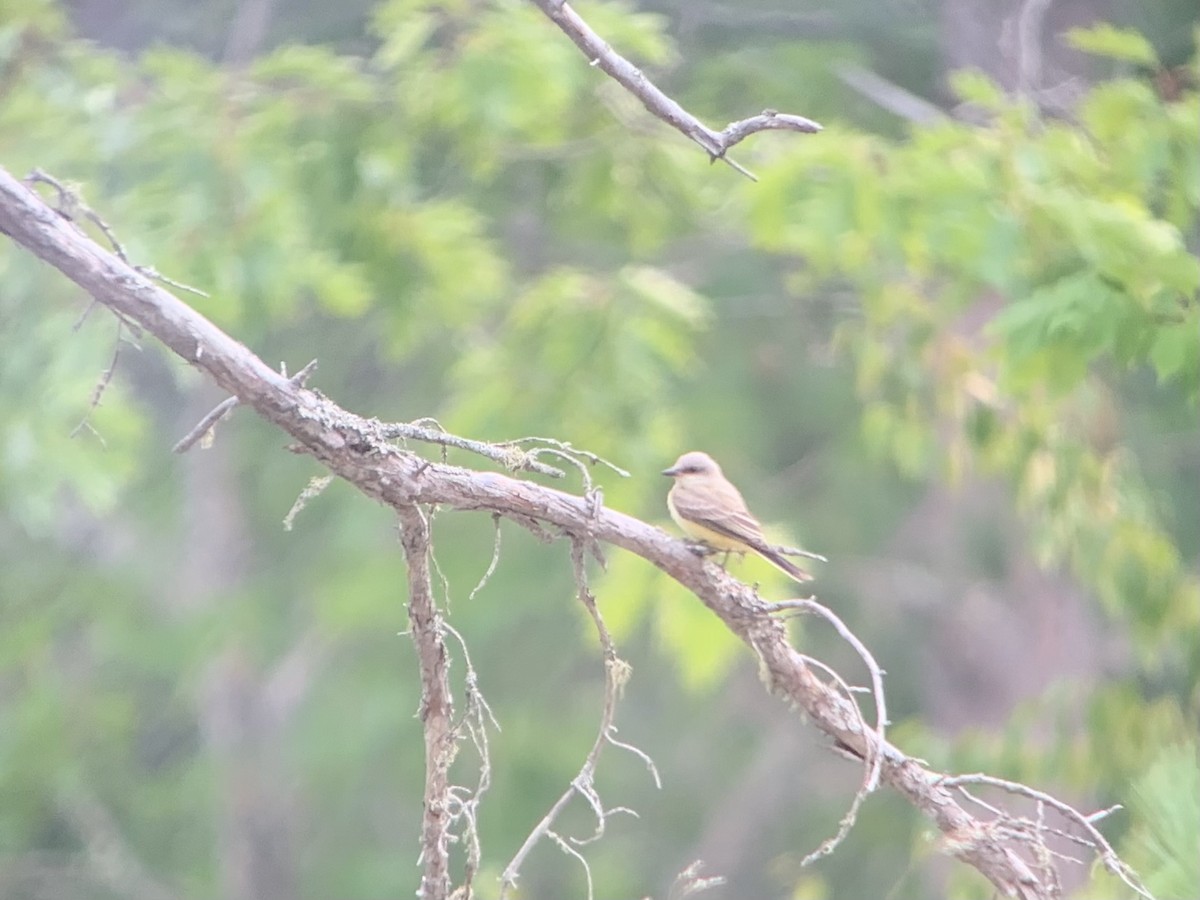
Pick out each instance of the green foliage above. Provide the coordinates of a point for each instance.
(1115, 43)
(1004, 271)
(1165, 803)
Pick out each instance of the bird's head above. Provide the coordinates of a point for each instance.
(693, 463)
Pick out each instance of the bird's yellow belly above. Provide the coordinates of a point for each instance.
(698, 532)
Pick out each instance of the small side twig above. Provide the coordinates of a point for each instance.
(315, 487)
(690, 881)
(874, 755)
(512, 454)
(827, 846)
(495, 561)
(101, 385)
(567, 447)
(71, 206)
(511, 458)
(204, 428)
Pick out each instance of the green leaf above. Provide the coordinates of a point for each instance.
(1115, 43)
(974, 86)
(1175, 352)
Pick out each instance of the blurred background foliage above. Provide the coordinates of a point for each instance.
(958, 355)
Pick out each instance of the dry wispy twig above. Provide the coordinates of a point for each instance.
(1032, 832)
(616, 673)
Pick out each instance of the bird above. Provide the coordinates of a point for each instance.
(708, 508)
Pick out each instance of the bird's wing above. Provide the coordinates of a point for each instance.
(719, 507)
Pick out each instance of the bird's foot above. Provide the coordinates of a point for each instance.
(700, 548)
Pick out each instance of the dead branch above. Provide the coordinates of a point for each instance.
(690, 881)
(353, 448)
(1095, 841)
(630, 77)
(437, 707)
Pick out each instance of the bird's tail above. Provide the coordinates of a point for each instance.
(783, 564)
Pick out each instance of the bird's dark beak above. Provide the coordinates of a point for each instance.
(671, 472)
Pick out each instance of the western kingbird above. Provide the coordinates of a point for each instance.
(710, 509)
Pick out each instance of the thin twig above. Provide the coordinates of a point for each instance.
(511, 458)
(889, 95)
(204, 428)
(796, 551)
(101, 385)
(690, 881)
(71, 206)
(565, 847)
(874, 753)
(495, 561)
(315, 487)
(151, 272)
(566, 446)
(830, 844)
(616, 673)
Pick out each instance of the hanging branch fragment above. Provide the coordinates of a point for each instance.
(616, 673)
(690, 881)
(437, 707)
(101, 385)
(352, 448)
(495, 561)
(315, 487)
(630, 77)
(870, 772)
(464, 802)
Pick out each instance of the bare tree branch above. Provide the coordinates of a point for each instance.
(630, 77)
(889, 95)
(355, 449)
(437, 706)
